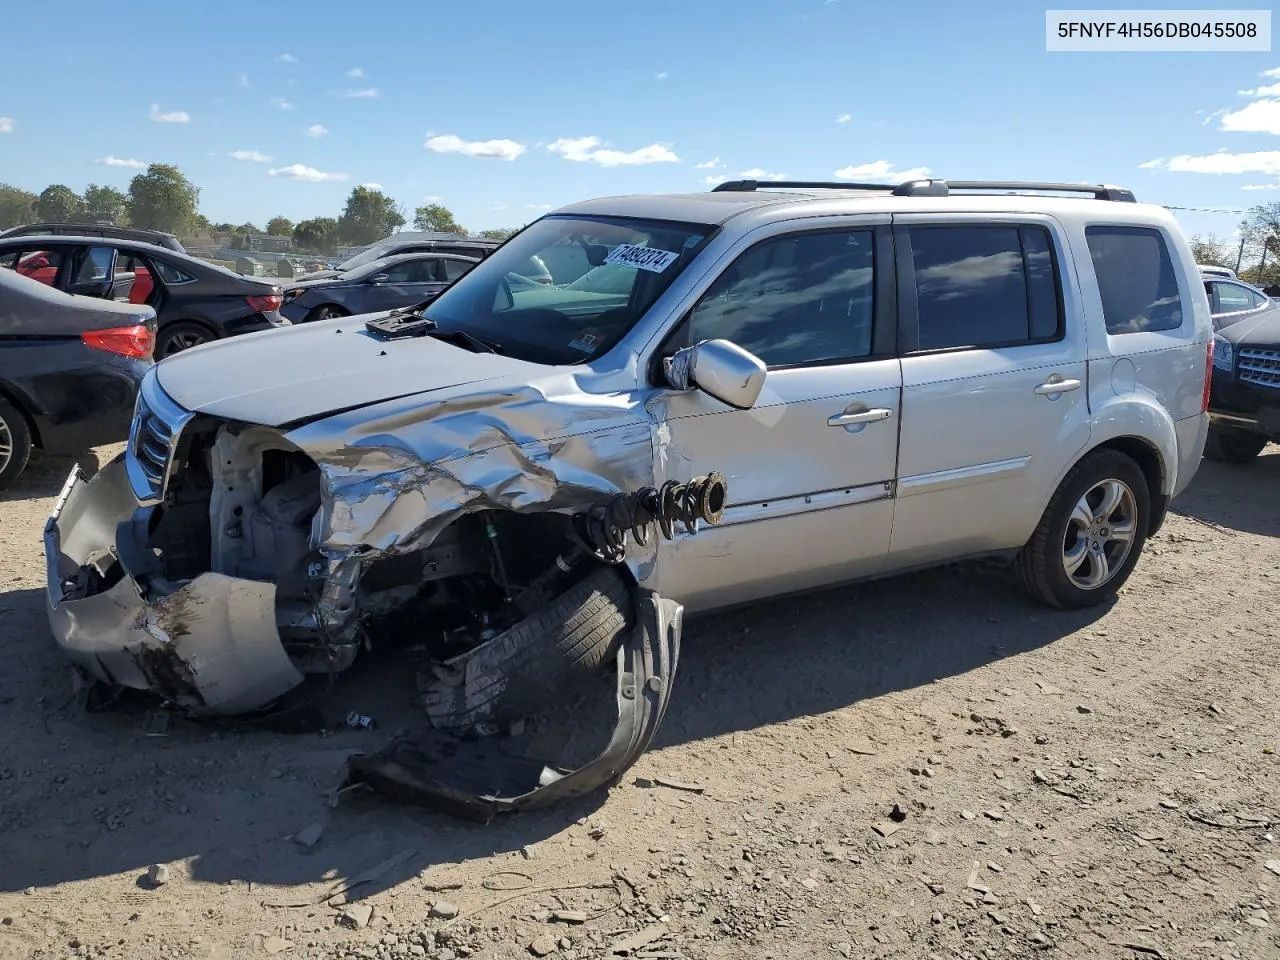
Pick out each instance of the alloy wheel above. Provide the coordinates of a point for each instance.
(1100, 534)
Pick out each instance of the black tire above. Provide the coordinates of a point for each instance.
(183, 335)
(1040, 565)
(1231, 445)
(525, 668)
(15, 443)
(329, 311)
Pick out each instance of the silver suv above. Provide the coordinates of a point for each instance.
(798, 385)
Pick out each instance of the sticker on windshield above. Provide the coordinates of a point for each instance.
(586, 341)
(642, 258)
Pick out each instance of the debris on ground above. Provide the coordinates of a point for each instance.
(158, 874)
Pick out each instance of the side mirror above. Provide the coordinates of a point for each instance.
(380, 278)
(719, 369)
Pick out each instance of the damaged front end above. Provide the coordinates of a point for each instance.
(217, 563)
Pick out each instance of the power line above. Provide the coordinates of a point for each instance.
(1201, 209)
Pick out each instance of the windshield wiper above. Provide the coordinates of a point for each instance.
(470, 339)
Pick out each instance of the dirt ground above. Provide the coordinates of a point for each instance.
(1098, 784)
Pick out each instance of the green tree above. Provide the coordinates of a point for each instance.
(1212, 251)
(16, 206)
(505, 233)
(280, 227)
(224, 227)
(162, 199)
(318, 235)
(59, 204)
(105, 203)
(370, 216)
(435, 218)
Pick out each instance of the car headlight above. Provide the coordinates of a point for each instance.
(1223, 354)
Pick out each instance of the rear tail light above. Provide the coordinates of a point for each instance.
(136, 342)
(267, 303)
(1208, 378)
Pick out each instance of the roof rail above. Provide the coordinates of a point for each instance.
(935, 188)
(1099, 191)
(748, 186)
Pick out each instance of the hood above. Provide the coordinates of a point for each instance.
(1261, 328)
(293, 374)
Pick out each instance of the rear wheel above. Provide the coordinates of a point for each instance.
(328, 312)
(1091, 534)
(15, 443)
(1231, 445)
(180, 336)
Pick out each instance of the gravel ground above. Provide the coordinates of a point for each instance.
(926, 767)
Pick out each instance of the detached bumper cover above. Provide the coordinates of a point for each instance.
(475, 780)
(210, 646)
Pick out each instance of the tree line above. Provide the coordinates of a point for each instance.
(162, 198)
(1255, 255)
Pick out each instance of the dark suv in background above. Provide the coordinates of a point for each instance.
(166, 240)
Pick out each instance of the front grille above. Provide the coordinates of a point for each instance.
(1260, 367)
(157, 424)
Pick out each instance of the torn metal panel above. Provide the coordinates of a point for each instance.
(477, 781)
(210, 645)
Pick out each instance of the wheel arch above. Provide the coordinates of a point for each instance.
(19, 403)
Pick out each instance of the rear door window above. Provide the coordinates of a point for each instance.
(38, 264)
(1136, 279)
(453, 269)
(984, 286)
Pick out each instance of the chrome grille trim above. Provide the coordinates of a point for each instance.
(1260, 366)
(157, 427)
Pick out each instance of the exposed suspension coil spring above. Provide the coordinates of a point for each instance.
(604, 528)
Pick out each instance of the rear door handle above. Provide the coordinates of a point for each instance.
(863, 416)
(1056, 385)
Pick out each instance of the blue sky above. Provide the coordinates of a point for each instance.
(501, 109)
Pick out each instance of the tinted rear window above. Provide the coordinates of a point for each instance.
(1136, 279)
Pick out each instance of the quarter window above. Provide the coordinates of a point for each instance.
(171, 274)
(1136, 279)
(795, 300)
(984, 286)
(1233, 298)
(453, 269)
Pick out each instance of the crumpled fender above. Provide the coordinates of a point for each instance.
(476, 781)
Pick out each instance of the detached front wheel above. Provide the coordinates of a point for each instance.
(1091, 534)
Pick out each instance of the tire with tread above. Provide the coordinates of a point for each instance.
(523, 668)
(327, 312)
(1039, 563)
(18, 434)
(175, 331)
(1227, 445)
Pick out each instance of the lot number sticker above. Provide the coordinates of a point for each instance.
(642, 258)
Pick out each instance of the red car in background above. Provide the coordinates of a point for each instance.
(41, 265)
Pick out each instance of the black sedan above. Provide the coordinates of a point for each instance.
(1244, 403)
(195, 301)
(400, 281)
(69, 370)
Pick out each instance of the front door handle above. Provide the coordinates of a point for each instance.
(862, 416)
(1056, 385)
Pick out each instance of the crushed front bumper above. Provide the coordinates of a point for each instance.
(210, 646)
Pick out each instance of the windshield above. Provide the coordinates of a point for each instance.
(581, 313)
(361, 259)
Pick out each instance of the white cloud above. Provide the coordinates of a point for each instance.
(660, 76)
(176, 116)
(297, 171)
(1260, 161)
(755, 173)
(253, 155)
(243, 81)
(355, 72)
(282, 103)
(287, 58)
(844, 118)
(712, 181)
(433, 199)
(499, 206)
(1261, 186)
(317, 130)
(7, 124)
(1261, 116)
(111, 160)
(1271, 91)
(587, 150)
(372, 186)
(367, 93)
(537, 206)
(486, 149)
(1155, 164)
(881, 170)
(1274, 73)
(709, 165)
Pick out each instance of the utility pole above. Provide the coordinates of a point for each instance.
(1240, 255)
